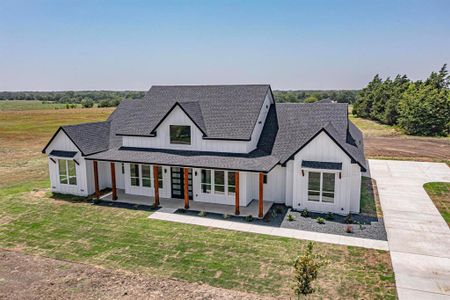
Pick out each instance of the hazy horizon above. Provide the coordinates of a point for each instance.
(292, 45)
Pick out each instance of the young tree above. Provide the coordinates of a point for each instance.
(311, 99)
(306, 270)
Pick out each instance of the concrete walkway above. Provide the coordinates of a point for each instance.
(418, 237)
(275, 231)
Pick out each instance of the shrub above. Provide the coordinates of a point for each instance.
(202, 214)
(249, 218)
(290, 218)
(226, 216)
(305, 213)
(330, 216)
(273, 214)
(306, 270)
(320, 220)
(349, 219)
(278, 210)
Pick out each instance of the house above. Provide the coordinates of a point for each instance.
(223, 144)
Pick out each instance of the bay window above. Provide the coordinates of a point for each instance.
(67, 172)
(321, 187)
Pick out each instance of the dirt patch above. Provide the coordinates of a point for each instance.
(424, 149)
(32, 277)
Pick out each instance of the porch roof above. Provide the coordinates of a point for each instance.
(256, 161)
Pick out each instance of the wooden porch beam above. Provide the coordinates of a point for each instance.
(236, 193)
(97, 189)
(156, 184)
(113, 181)
(186, 188)
(261, 196)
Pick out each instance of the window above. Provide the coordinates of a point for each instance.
(67, 172)
(265, 179)
(231, 183)
(160, 177)
(134, 174)
(123, 168)
(321, 187)
(180, 134)
(146, 176)
(206, 181)
(219, 182)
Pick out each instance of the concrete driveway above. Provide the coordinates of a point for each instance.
(418, 237)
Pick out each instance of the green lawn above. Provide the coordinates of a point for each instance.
(439, 192)
(33, 222)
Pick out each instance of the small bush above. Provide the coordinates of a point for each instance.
(349, 219)
(249, 218)
(226, 216)
(320, 220)
(305, 213)
(330, 216)
(278, 210)
(290, 218)
(202, 214)
(349, 229)
(273, 214)
(306, 270)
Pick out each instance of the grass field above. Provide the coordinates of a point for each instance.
(439, 192)
(15, 105)
(33, 222)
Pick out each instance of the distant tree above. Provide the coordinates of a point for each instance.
(311, 99)
(307, 268)
(104, 103)
(87, 102)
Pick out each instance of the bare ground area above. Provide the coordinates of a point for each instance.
(25, 276)
(407, 148)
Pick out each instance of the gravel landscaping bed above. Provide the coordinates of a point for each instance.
(362, 226)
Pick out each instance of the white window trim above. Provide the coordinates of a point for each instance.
(152, 178)
(66, 161)
(321, 171)
(213, 183)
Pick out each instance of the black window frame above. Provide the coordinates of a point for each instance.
(175, 137)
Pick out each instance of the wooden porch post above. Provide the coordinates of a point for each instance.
(113, 181)
(97, 189)
(186, 188)
(261, 195)
(156, 184)
(236, 193)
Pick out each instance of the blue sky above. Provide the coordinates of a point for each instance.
(83, 45)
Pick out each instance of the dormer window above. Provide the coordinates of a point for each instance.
(180, 134)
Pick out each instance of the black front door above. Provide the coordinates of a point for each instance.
(178, 182)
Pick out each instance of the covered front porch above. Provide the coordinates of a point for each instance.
(172, 204)
(210, 190)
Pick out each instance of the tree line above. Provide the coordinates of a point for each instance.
(300, 96)
(418, 107)
(86, 98)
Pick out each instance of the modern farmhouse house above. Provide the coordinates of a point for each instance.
(229, 145)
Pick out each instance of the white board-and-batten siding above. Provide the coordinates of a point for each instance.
(178, 117)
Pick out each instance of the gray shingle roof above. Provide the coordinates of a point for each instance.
(89, 137)
(254, 161)
(224, 111)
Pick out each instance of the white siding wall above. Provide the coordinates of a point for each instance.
(178, 117)
(322, 148)
(275, 189)
(62, 142)
(289, 182)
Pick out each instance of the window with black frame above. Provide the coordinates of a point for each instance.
(180, 134)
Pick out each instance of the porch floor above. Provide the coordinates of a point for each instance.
(172, 204)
